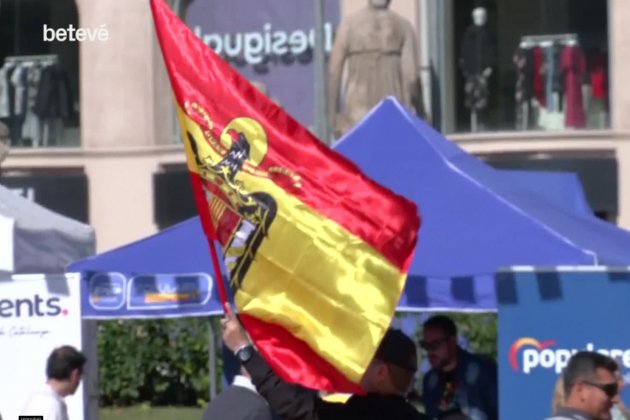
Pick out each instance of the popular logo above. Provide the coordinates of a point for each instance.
(233, 170)
(526, 341)
(33, 307)
(540, 355)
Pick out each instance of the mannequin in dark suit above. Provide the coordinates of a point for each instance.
(477, 56)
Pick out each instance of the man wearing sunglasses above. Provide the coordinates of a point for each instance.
(460, 385)
(591, 387)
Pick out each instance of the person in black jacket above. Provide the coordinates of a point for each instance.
(240, 401)
(387, 381)
(460, 384)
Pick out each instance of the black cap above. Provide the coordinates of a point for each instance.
(398, 349)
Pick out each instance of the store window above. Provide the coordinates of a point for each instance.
(528, 65)
(39, 78)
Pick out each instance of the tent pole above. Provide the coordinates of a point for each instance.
(212, 360)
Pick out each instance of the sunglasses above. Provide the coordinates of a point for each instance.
(431, 345)
(611, 390)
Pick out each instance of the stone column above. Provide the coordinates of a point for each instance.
(126, 114)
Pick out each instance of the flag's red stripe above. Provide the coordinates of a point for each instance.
(331, 185)
(294, 360)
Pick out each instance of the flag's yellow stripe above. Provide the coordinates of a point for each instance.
(312, 276)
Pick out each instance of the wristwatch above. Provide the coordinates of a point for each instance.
(244, 353)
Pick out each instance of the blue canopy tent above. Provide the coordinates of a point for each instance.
(474, 221)
(475, 218)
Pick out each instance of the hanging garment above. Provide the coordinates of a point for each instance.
(597, 64)
(558, 77)
(574, 66)
(18, 80)
(549, 79)
(54, 98)
(524, 88)
(539, 91)
(31, 127)
(5, 87)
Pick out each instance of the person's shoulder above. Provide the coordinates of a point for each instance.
(479, 358)
(43, 403)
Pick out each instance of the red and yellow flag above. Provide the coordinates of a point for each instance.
(316, 251)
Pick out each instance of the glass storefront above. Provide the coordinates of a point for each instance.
(39, 78)
(516, 65)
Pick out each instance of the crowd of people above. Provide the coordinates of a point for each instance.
(459, 385)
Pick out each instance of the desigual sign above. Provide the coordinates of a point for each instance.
(269, 42)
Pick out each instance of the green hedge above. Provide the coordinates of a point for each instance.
(163, 362)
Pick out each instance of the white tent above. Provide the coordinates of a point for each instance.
(40, 243)
(34, 239)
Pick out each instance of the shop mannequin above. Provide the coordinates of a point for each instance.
(476, 61)
(377, 48)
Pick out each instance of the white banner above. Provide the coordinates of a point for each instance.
(37, 314)
(6, 244)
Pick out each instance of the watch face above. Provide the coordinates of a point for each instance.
(245, 353)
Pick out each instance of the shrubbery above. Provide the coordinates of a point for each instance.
(163, 362)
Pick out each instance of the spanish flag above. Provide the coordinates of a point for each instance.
(316, 251)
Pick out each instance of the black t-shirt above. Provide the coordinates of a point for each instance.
(449, 406)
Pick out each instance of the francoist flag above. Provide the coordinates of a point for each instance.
(316, 251)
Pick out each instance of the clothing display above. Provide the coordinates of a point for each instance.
(551, 72)
(35, 98)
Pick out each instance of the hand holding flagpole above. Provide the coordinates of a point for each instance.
(234, 335)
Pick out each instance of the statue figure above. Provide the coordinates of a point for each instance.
(377, 49)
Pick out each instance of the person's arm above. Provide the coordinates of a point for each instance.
(489, 388)
(286, 400)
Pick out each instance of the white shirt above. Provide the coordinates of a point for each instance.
(244, 382)
(46, 402)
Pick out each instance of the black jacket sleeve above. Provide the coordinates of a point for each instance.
(289, 401)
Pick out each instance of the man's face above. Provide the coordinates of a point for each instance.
(598, 395)
(440, 348)
(75, 380)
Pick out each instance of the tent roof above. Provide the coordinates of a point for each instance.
(42, 241)
(182, 248)
(474, 219)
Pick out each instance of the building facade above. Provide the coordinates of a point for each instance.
(117, 162)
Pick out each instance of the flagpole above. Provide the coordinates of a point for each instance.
(319, 61)
(217, 268)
